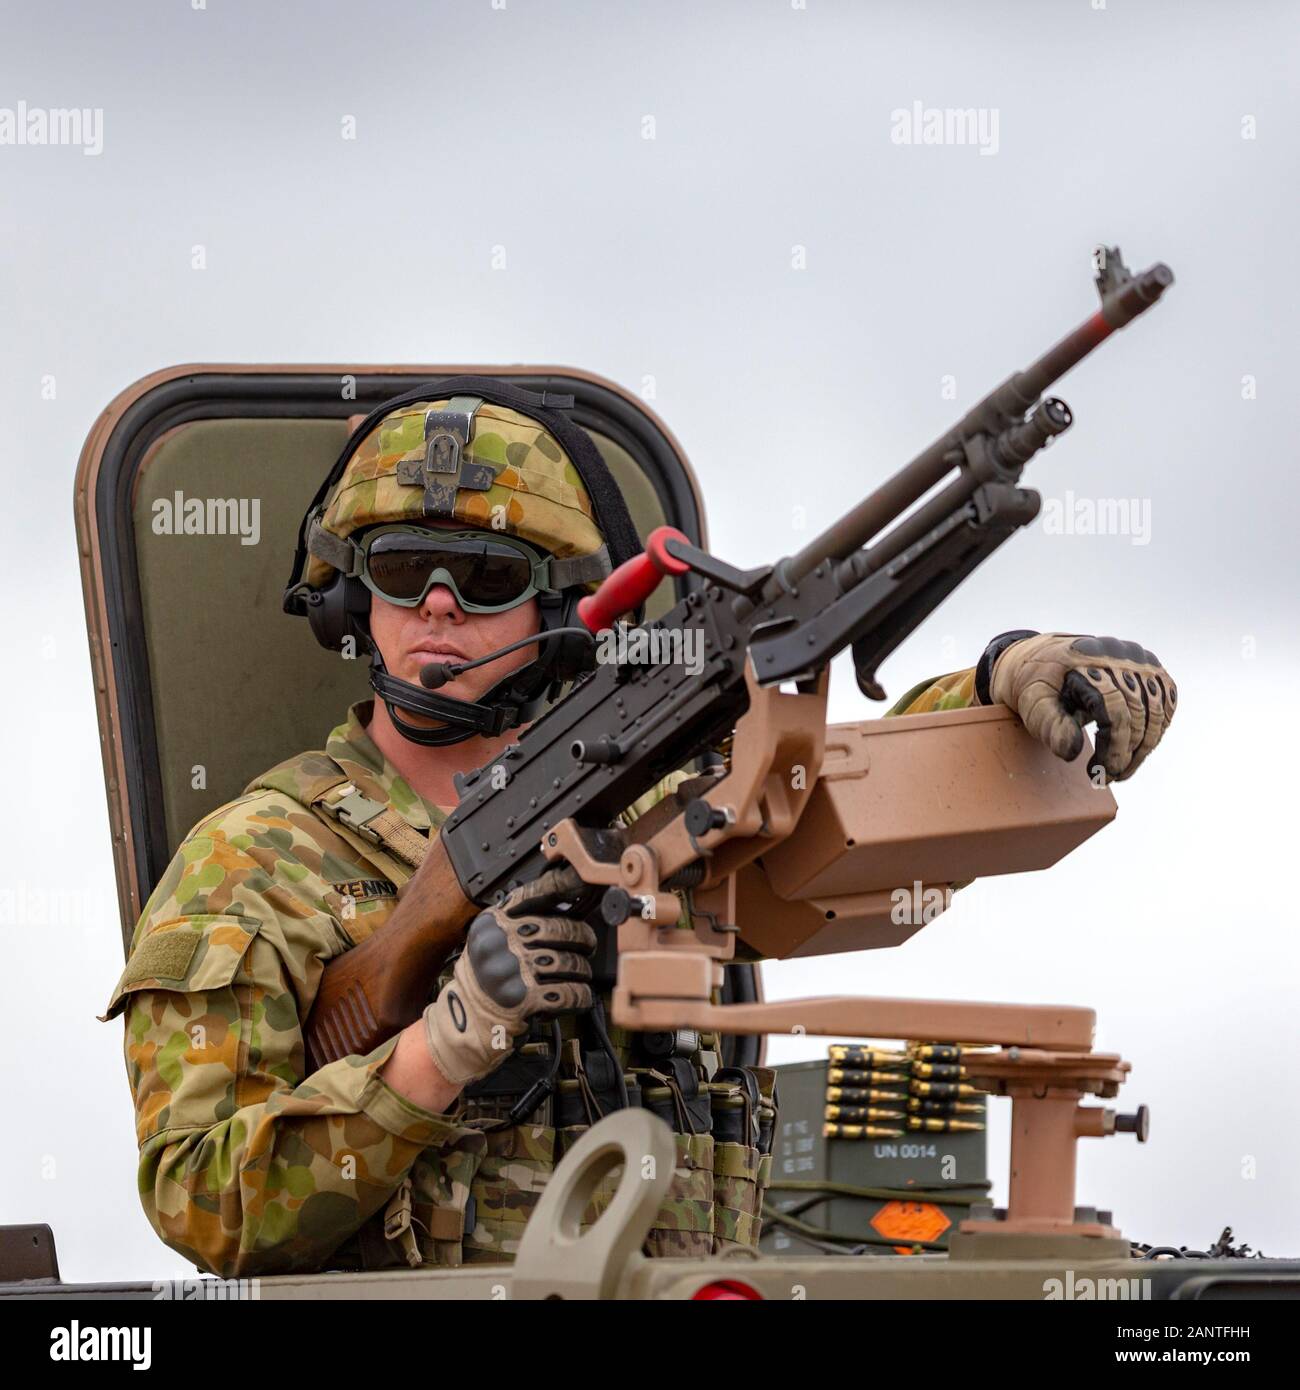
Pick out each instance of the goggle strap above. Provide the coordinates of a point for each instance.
(580, 569)
(341, 553)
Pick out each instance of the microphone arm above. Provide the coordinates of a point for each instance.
(437, 673)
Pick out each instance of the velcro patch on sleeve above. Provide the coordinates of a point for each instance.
(162, 956)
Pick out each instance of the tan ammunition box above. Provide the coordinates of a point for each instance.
(903, 809)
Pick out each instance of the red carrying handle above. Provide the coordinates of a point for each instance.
(633, 581)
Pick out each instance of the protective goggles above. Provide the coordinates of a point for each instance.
(487, 573)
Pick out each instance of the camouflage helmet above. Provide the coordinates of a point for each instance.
(465, 459)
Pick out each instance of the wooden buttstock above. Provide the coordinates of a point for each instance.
(377, 988)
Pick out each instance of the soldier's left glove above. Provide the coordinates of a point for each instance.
(1059, 681)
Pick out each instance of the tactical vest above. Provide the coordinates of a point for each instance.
(467, 1201)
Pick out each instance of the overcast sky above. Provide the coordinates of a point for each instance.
(717, 206)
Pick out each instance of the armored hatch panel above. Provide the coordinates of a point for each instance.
(201, 680)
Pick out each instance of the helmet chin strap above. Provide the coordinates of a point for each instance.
(502, 707)
(462, 719)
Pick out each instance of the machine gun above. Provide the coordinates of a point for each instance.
(549, 800)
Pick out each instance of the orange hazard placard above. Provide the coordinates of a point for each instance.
(910, 1221)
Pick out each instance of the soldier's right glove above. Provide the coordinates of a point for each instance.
(518, 962)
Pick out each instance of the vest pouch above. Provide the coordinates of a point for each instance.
(673, 1091)
(506, 1189)
(425, 1220)
(768, 1104)
(684, 1222)
(526, 1071)
(768, 1111)
(737, 1196)
(566, 1138)
(744, 1120)
(575, 1112)
(683, 1226)
(588, 1088)
(734, 1097)
(573, 1104)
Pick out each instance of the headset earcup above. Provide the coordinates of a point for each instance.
(573, 655)
(341, 609)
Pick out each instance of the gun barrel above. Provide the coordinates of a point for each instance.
(1000, 408)
(1119, 307)
(878, 509)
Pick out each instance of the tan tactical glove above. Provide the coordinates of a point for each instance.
(517, 963)
(1059, 681)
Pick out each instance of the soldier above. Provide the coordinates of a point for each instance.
(454, 527)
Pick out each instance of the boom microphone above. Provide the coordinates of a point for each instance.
(437, 673)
